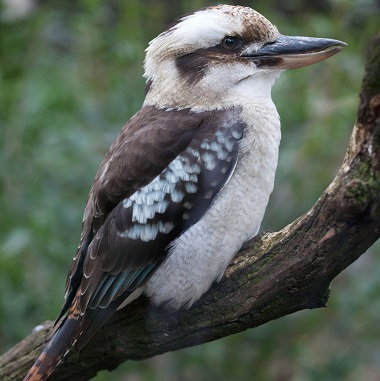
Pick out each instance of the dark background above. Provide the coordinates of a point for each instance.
(71, 76)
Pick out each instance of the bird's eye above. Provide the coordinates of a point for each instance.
(231, 43)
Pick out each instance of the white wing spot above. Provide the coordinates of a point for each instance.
(154, 198)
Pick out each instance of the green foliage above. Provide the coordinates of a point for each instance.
(71, 75)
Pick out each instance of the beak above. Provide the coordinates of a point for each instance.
(288, 52)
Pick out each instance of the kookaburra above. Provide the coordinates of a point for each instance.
(187, 180)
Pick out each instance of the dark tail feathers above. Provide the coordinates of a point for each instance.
(61, 341)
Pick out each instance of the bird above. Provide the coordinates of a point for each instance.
(187, 181)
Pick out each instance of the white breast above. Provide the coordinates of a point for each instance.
(201, 254)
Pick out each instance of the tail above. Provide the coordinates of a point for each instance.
(71, 331)
(61, 341)
(78, 331)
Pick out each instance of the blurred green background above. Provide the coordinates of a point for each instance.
(71, 76)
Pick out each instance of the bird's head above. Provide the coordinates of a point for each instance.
(210, 58)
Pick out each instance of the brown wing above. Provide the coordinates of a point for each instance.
(161, 158)
(150, 140)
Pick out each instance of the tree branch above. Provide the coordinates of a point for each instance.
(274, 275)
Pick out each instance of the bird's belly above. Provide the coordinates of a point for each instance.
(201, 254)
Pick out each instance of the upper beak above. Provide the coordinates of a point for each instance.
(288, 52)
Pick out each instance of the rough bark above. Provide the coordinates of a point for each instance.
(274, 275)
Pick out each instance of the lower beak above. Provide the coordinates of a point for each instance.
(288, 52)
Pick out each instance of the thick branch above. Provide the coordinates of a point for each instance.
(274, 275)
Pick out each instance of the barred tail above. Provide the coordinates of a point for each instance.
(55, 350)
